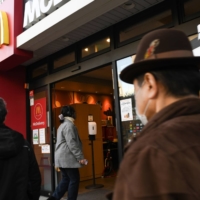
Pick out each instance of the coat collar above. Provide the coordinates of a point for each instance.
(69, 119)
(183, 107)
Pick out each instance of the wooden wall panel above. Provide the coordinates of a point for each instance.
(81, 120)
(82, 111)
(86, 171)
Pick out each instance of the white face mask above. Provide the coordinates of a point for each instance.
(143, 117)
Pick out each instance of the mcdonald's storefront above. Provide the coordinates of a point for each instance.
(60, 52)
(12, 75)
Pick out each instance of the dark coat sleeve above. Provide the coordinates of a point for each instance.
(34, 175)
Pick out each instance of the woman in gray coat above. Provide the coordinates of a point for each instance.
(68, 155)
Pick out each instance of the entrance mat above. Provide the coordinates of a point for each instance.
(96, 194)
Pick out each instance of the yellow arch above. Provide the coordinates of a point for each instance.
(4, 29)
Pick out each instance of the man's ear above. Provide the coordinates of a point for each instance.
(151, 85)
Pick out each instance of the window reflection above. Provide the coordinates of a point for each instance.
(131, 125)
(95, 47)
(191, 7)
(159, 20)
(39, 71)
(125, 89)
(64, 60)
(195, 42)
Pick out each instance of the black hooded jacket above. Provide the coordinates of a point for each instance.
(19, 173)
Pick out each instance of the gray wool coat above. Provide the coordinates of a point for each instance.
(68, 150)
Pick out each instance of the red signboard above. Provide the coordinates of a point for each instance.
(31, 93)
(10, 55)
(38, 114)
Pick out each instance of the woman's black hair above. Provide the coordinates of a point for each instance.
(68, 111)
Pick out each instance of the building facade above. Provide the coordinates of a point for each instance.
(65, 52)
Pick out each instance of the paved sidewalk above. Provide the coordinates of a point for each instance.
(43, 198)
(86, 194)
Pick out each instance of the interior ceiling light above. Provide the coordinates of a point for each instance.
(128, 5)
(86, 49)
(108, 40)
(58, 104)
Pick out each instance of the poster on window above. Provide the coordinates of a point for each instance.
(126, 109)
(35, 136)
(38, 114)
(42, 136)
(45, 148)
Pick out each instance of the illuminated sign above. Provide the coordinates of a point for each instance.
(36, 10)
(4, 29)
(38, 114)
(1, 1)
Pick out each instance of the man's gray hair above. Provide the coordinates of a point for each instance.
(3, 110)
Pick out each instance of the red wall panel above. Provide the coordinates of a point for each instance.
(13, 92)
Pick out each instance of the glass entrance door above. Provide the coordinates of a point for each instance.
(41, 136)
(130, 123)
(91, 94)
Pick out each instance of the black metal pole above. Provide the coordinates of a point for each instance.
(94, 185)
(93, 169)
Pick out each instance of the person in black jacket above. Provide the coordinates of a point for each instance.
(20, 177)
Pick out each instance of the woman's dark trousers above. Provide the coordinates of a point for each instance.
(70, 182)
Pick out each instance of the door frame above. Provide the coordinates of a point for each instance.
(29, 131)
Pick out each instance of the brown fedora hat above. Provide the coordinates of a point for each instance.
(161, 49)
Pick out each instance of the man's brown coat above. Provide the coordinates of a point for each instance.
(164, 162)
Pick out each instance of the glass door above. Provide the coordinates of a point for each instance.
(130, 123)
(56, 108)
(41, 136)
(91, 95)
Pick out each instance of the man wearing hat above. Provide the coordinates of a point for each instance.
(164, 162)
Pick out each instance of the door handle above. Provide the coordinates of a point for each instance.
(54, 135)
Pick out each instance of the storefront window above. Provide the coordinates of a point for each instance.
(95, 47)
(135, 30)
(64, 60)
(39, 71)
(194, 39)
(131, 125)
(191, 8)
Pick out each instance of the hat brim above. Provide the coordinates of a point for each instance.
(134, 70)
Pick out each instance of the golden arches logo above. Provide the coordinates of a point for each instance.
(38, 111)
(4, 29)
